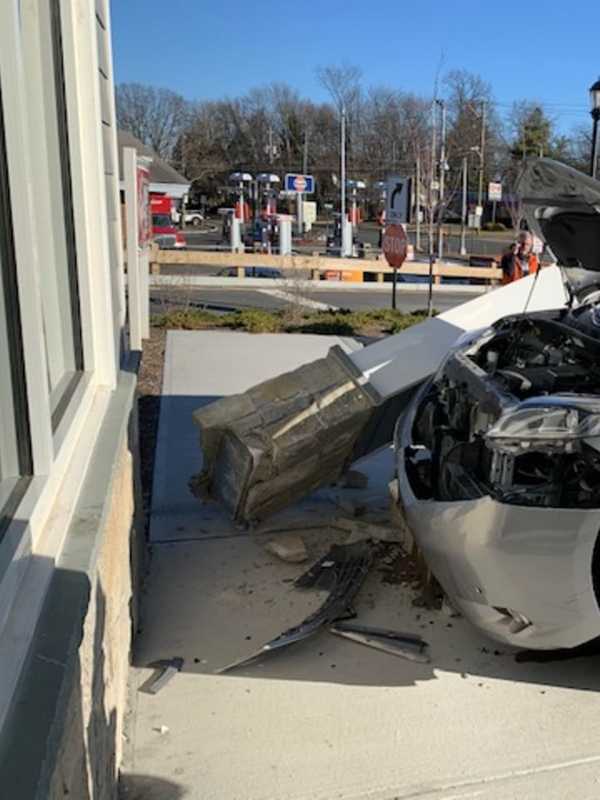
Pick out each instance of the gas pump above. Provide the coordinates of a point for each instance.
(266, 209)
(355, 190)
(241, 212)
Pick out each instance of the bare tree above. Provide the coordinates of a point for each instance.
(342, 83)
(156, 116)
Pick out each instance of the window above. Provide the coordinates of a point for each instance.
(15, 446)
(59, 273)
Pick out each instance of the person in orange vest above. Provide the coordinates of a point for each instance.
(520, 260)
(381, 224)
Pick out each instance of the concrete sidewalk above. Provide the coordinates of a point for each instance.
(326, 718)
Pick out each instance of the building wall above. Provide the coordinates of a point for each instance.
(69, 550)
(90, 750)
(63, 736)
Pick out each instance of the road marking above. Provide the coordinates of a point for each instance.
(298, 299)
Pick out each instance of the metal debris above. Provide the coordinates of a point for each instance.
(341, 572)
(397, 643)
(167, 669)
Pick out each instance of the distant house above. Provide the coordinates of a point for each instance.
(163, 178)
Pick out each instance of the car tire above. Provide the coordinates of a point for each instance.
(196, 222)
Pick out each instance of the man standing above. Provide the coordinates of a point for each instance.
(520, 260)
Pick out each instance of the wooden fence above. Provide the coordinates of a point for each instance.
(316, 265)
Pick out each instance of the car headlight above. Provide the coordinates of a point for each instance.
(555, 424)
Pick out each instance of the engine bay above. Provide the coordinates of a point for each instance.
(531, 374)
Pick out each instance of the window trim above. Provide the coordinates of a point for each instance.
(34, 537)
(13, 316)
(67, 196)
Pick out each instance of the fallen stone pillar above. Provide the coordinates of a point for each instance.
(272, 445)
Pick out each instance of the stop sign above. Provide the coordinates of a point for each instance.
(395, 245)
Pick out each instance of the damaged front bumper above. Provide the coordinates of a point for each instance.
(523, 575)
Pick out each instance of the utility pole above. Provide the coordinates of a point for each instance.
(442, 106)
(431, 206)
(418, 203)
(481, 160)
(463, 227)
(300, 196)
(270, 145)
(343, 178)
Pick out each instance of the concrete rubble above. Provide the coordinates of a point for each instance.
(288, 548)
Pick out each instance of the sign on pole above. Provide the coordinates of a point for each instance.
(299, 184)
(397, 208)
(395, 245)
(494, 191)
(395, 248)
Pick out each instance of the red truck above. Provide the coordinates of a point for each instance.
(164, 231)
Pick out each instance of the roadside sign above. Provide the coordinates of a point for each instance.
(299, 184)
(395, 245)
(143, 203)
(397, 208)
(494, 191)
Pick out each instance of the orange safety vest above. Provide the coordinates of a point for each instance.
(517, 272)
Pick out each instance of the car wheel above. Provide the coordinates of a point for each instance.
(196, 222)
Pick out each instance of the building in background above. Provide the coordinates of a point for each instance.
(163, 178)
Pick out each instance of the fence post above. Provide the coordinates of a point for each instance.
(154, 262)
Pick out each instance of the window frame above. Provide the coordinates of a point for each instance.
(34, 536)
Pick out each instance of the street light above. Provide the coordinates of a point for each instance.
(595, 112)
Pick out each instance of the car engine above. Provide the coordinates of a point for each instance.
(515, 415)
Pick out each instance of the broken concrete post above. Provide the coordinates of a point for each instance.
(275, 443)
(272, 445)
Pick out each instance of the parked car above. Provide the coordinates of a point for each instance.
(165, 233)
(498, 457)
(252, 272)
(191, 217)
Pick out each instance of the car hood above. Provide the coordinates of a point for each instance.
(562, 207)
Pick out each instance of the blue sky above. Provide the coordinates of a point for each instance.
(527, 50)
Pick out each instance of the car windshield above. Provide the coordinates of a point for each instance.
(162, 221)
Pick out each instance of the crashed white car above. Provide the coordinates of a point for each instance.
(498, 456)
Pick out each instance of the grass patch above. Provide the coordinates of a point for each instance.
(377, 322)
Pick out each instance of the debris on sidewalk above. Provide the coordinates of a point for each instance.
(360, 530)
(288, 548)
(341, 572)
(354, 479)
(166, 670)
(397, 643)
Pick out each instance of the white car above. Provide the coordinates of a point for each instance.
(191, 217)
(498, 457)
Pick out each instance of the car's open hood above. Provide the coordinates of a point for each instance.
(562, 207)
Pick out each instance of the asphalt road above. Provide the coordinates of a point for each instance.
(224, 299)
